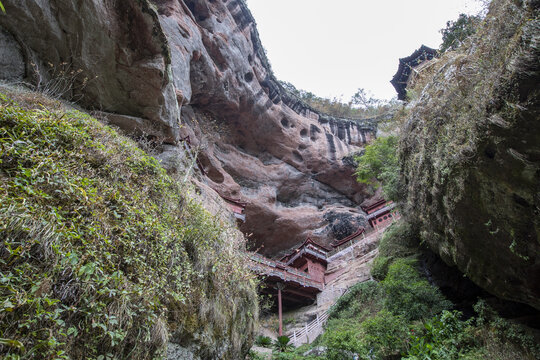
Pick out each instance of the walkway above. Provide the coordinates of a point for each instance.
(287, 274)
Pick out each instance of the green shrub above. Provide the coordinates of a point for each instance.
(444, 337)
(506, 332)
(362, 297)
(379, 269)
(379, 163)
(263, 341)
(253, 355)
(342, 341)
(409, 295)
(384, 334)
(399, 240)
(282, 344)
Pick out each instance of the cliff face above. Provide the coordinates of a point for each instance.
(168, 69)
(471, 155)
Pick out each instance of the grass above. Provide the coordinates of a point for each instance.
(102, 254)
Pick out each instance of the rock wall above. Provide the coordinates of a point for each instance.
(471, 155)
(168, 69)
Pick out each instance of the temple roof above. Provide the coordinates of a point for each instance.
(349, 238)
(373, 205)
(296, 250)
(401, 77)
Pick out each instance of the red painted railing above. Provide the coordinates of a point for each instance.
(268, 267)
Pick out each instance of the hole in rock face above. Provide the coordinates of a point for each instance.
(250, 59)
(302, 147)
(303, 132)
(215, 175)
(297, 156)
(490, 152)
(285, 123)
(248, 76)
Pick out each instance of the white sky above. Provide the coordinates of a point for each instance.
(332, 48)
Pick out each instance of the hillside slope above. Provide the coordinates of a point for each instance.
(102, 253)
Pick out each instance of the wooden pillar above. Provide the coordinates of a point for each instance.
(280, 310)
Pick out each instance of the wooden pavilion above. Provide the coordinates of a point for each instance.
(409, 67)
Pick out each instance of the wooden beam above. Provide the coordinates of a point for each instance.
(296, 292)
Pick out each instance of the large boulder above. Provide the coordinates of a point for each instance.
(471, 155)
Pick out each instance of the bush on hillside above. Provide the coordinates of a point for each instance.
(398, 241)
(361, 299)
(409, 295)
(444, 337)
(384, 334)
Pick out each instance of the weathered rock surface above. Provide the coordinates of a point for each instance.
(257, 142)
(151, 65)
(11, 58)
(471, 155)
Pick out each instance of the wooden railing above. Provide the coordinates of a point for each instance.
(311, 331)
(361, 237)
(268, 267)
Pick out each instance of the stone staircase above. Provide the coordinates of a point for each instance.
(347, 267)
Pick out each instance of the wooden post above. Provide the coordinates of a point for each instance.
(280, 314)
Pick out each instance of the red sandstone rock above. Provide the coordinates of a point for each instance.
(200, 63)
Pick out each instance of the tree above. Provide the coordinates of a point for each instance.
(457, 31)
(379, 163)
(365, 100)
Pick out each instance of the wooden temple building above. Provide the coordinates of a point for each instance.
(409, 67)
(380, 213)
(297, 277)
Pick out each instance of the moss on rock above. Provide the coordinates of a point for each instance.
(471, 158)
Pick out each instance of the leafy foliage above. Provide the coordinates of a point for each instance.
(457, 31)
(282, 344)
(409, 295)
(342, 341)
(383, 334)
(101, 252)
(398, 241)
(263, 341)
(443, 337)
(379, 163)
(362, 297)
(501, 331)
